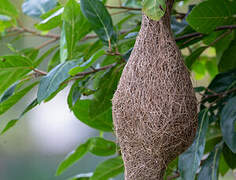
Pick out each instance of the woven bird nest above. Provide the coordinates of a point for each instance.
(154, 107)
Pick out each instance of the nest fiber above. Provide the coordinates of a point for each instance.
(154, 107)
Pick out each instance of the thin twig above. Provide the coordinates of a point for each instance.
(40, 72)
(124, 7)
(226, 27)
(186, 36)
(220, 95)
(23, 29)
(231, 27)
(220, 37)
(119, 12)
(92, 36)
(46, 43)
(193, 38)
(96, 70)
(81, 74)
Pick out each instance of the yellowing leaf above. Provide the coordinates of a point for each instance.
(154, 9)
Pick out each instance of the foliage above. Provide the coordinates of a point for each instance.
(93, 46)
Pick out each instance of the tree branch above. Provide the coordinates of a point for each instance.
(81, 74)
(196, 34)
(220, 37)
(219, 95)
(123, 7)
(46, 43)
(27, 30)
(23, 29)
(96, 70)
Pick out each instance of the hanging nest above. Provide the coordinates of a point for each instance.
(154, 106)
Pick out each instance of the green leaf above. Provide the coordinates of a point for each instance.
(227, 61)
(154, 9)
(74, 94)
(13, 62)
(44, 56)
(100, 20)
(7, 104)
(222, 45)
(51, 82)
(229, 157)
(199, 69)
(9, 125)
(106, 85)
(101, 147)
(223, 167)
(92, 49)
(63, 45)
(36, 8)
(108, 169)
(8, 93)
(171, 166)
(5, 22)
(189, 61)
(127, 54)
(211, 67)
(228, 119)
(223, 81)
(52, 21)
(30, 53)
(12, 89)
(75, 24)
(8, 8)
(72, 158)
(209, 170)
(61, 87)
(204, 19)
(13, 68)
(101, 122)
(211, 143)
(87, 63)
(95, 145)
(12, 123)
(32, 105)
(190, 160)
(199, 89)
(54, 61)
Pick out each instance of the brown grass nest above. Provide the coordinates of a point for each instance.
(154, 106)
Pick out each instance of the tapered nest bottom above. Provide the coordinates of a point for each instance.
(149, 137)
